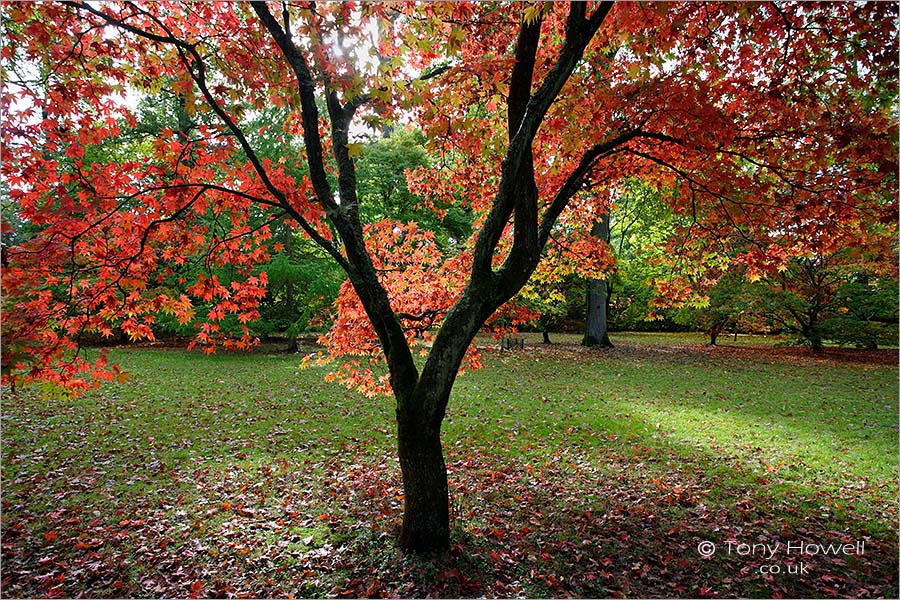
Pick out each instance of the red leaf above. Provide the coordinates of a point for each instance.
(197, 589)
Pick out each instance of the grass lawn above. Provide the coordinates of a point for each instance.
(573, 472)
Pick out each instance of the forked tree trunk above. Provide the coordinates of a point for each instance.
(421, 407)
(426, 506)
(420, 412)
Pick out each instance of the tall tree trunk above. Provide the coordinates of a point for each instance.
(596, 329)
(421, 407)
(289, 288)
(426, 498)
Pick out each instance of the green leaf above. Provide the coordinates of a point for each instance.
(354, 149)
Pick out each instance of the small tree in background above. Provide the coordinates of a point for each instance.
(866, 312)
(728, 307)
(828, 297)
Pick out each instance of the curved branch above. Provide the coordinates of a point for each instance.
(576, 180)
(345, 217)
(308, 109)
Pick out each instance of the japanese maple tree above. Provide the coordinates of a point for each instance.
(763, 119)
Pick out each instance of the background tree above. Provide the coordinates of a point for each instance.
(303, 285)
(596, 322)
(759, 117)
(559, 286)
(382, 168)
(866, 314)
(642, 226)
(626, 235)
(812, 291)
(728, 305)
(553, 297)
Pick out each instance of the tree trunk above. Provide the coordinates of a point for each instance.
(289, 251)
(421, 406)
(871, 339)
(426, 502)
(815, 339)
(546, 333)
(812, 334)
(596, 332)
(596, 329)
(420, 411)
(713, 334)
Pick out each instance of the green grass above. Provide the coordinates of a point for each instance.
(591, 473)
(839, 421)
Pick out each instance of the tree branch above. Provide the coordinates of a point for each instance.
(514, 191)
(196, 68)
(359, 267)
(575, 181)
(522, 74)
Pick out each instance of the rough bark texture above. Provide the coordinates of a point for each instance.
(426, 511)
(420, 412)
(596, 327)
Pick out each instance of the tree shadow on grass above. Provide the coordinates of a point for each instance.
(572, 522)
(587, 526)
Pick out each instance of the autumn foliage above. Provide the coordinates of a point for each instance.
(772, 121)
